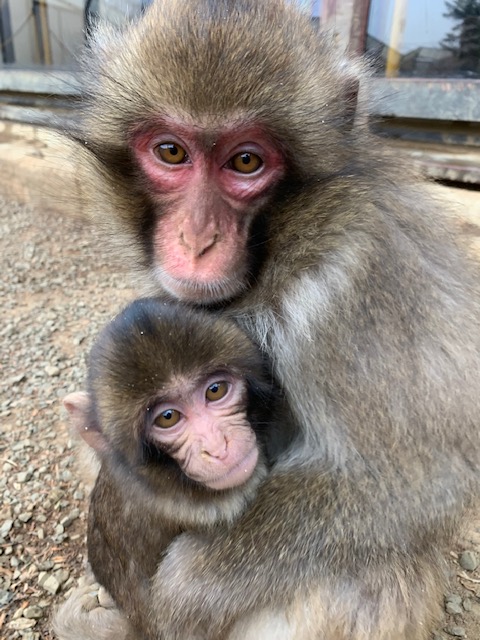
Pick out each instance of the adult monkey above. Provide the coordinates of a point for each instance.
(221, 150)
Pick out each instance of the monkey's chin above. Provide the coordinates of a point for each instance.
(198, 292)
(237, 475)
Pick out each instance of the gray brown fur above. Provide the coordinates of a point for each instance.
(364, 304)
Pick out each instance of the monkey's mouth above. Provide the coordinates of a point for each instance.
(237, 475)
(198, 291)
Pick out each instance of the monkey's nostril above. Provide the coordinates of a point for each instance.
(219, 451)
(208, 245)
(197, 245)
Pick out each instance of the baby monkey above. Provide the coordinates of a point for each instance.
(179, 411)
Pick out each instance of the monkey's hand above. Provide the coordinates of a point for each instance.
(86, 616)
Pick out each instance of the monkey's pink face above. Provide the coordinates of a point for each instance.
(207, 432)
(208, 187)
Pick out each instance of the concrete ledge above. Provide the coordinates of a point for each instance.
(62, 83)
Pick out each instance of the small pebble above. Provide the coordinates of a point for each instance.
(50, 584)
(453, 604)
(52, 371)
(21, 623)
(457, 632)
(34, 612)
(469, 560)
(24, 476)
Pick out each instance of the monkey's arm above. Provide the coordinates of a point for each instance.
(294, 544)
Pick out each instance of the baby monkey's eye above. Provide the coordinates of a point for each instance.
(216, 391)
(168, 418)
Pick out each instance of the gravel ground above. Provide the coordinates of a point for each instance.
(57, 290)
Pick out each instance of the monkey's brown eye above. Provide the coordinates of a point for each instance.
(216, 391)
(246, 162)
(171, 153)
(168, 418)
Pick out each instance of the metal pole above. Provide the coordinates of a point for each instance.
(40, 16)
(6, 35)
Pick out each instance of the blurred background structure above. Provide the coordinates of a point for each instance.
(425, 53)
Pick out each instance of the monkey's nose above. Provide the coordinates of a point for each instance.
(218, 450)
(198, 245)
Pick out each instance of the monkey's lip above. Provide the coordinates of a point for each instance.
(198, 291)
(236, 476)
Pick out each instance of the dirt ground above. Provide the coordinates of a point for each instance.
(57, 288)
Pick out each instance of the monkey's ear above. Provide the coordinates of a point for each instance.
(79, 407)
